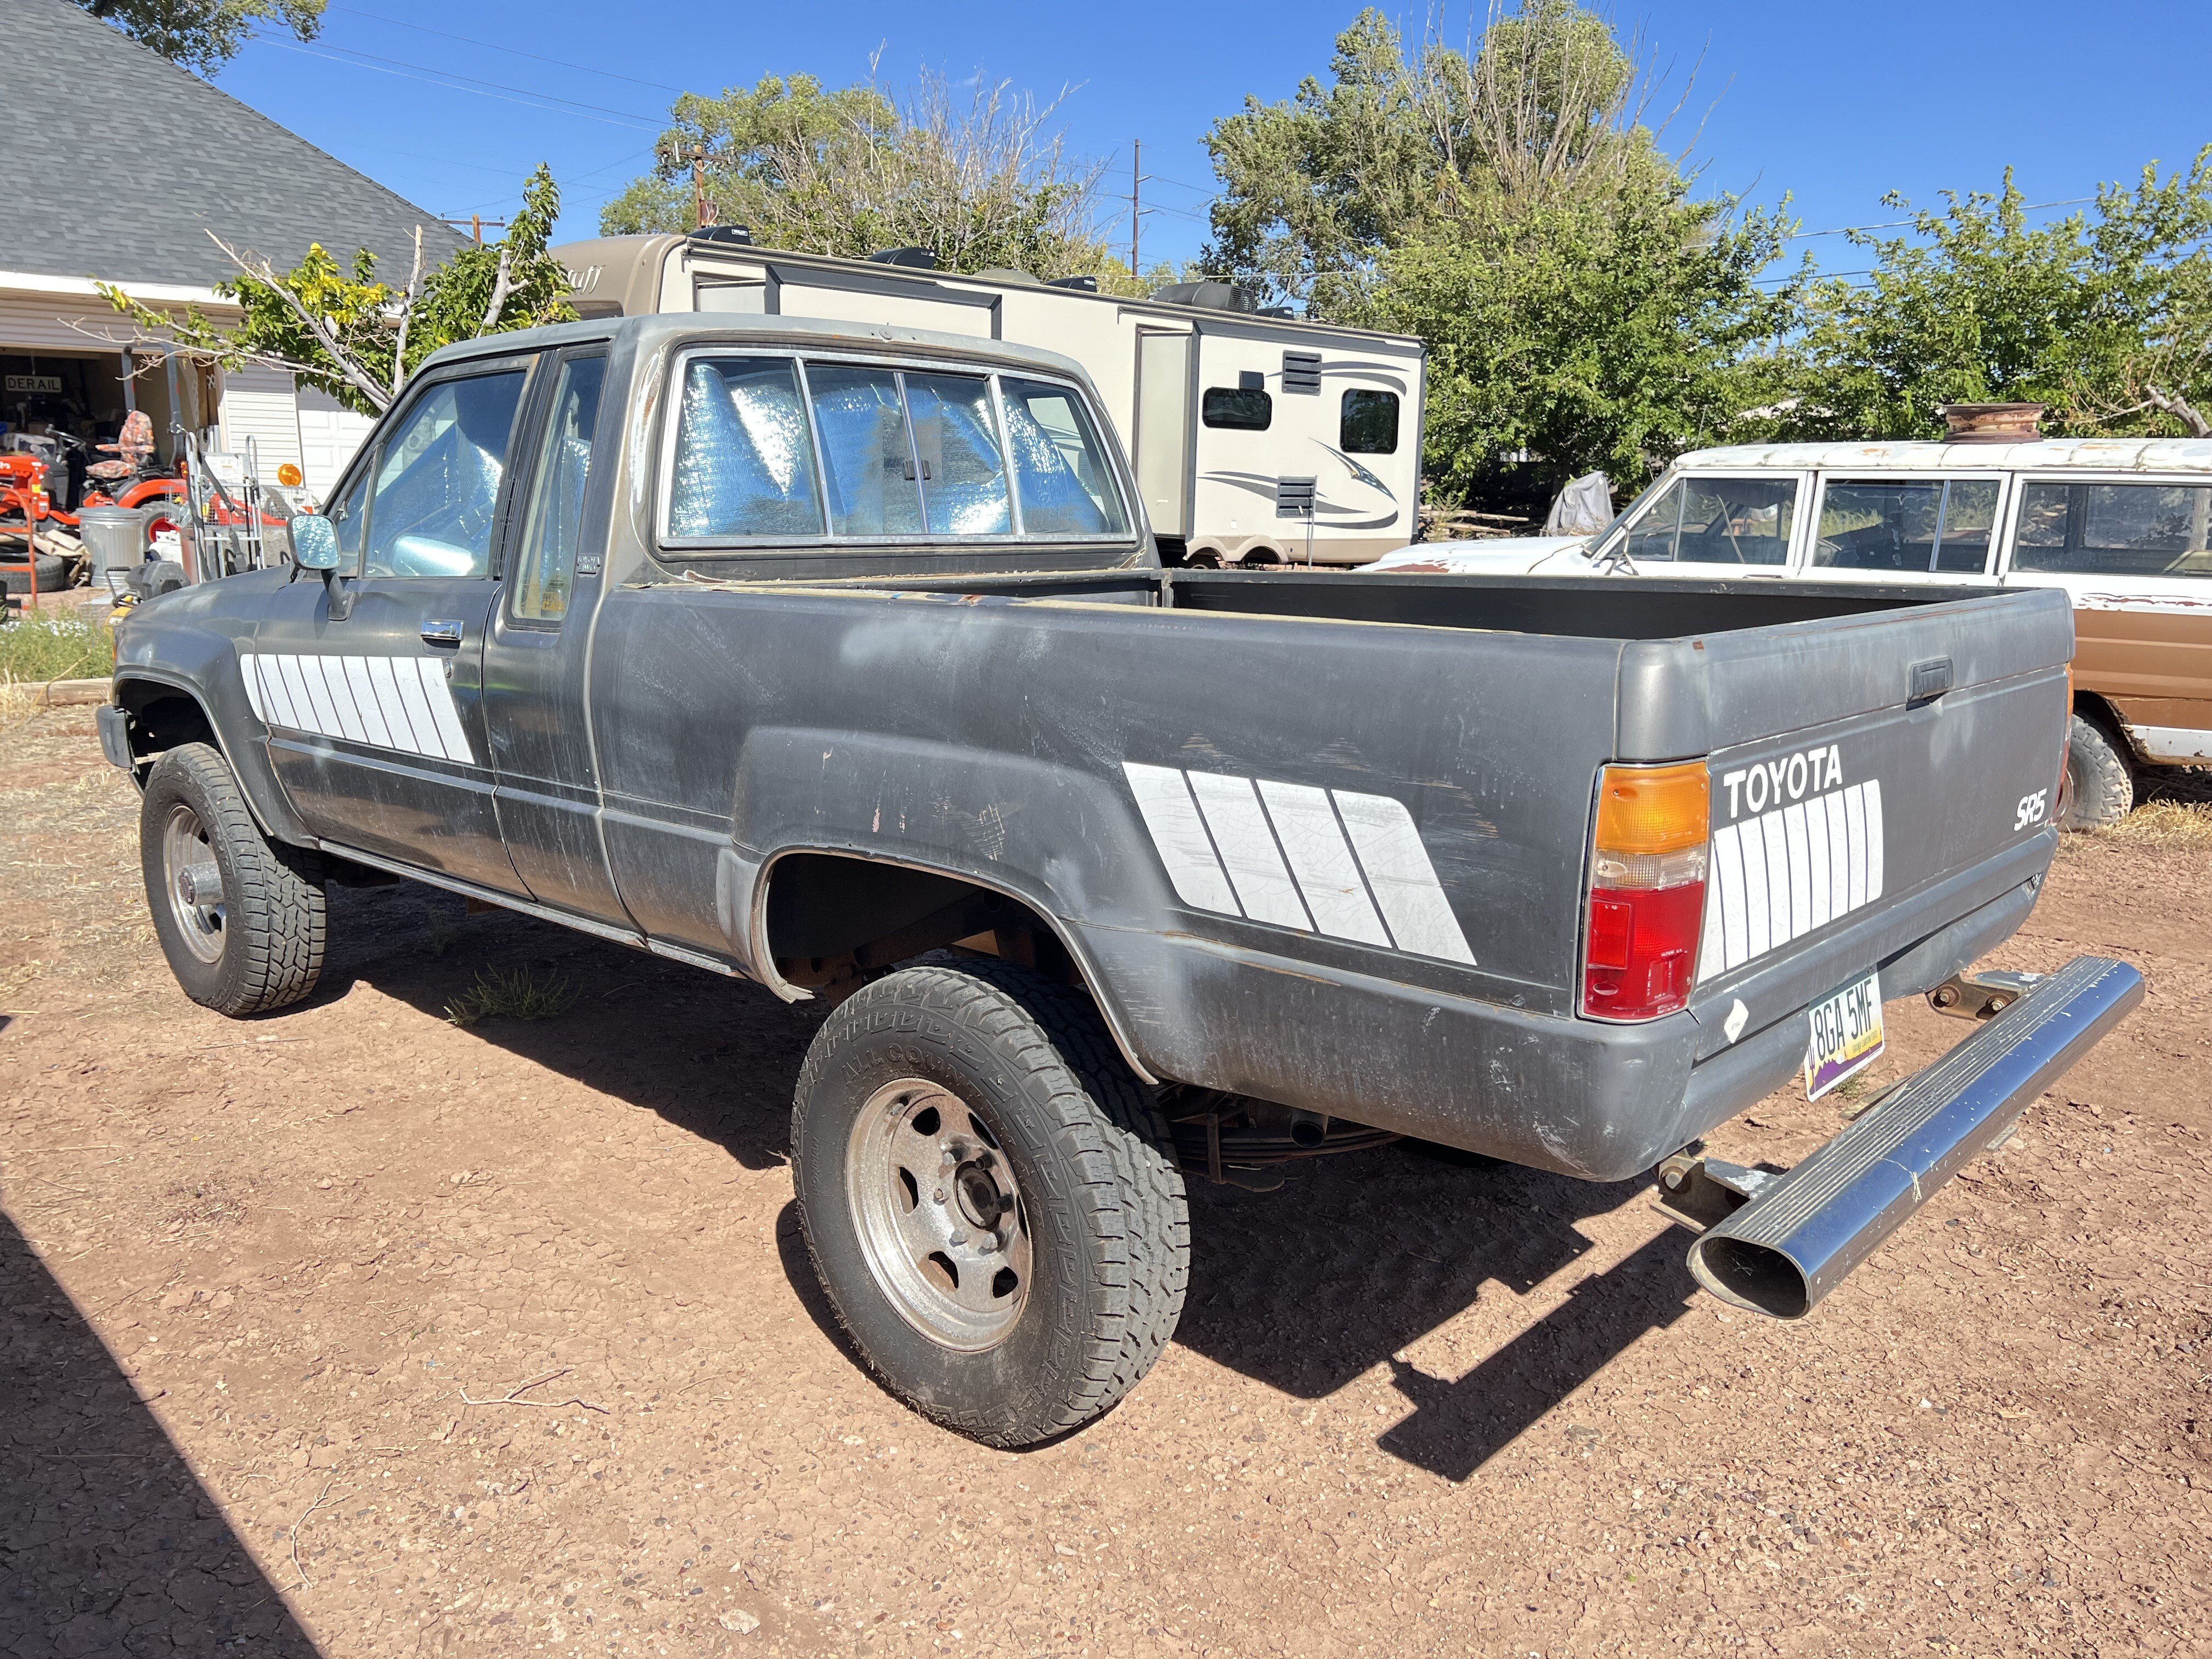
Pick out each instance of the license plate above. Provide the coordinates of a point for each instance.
(1845, 1036)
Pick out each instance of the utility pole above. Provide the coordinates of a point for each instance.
(1136, 183)
(696, 155)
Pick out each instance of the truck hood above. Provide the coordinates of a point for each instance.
(1511, 555)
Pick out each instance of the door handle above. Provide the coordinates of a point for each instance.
(441, 633)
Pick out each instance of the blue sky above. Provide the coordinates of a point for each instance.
(1835, 105)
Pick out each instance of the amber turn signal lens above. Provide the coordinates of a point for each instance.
(1653, 809)
(290, 475)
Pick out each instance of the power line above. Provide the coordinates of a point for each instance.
(1892, 224)
(450, 85)
(493, 46)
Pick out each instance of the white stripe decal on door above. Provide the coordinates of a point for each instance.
(1786, 874)
(401, 703)
(1350, 866)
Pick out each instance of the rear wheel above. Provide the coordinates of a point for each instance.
(2100, 783)
(240, 917)
(984, 1194)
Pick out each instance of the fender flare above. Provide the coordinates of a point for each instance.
(249, 763)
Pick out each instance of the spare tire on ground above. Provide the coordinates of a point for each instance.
(15, 575)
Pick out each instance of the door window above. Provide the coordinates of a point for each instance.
(1368, 424)
(867, 462)
(744, 460)
(437, 480)
(1742, 521)
(2115, 530)
(1904, 526)
(554, 523)
(1067, 488)
(963, 475)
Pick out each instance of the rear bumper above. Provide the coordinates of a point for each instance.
(1573, 1095)
(1804, 1231)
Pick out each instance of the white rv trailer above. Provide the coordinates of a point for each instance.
(1255, 438)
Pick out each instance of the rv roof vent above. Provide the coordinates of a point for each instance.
(914, 258)
(1276, 311)
(1084, 284)
(1992, 423)
(729, 235)
(1006, 274)
(1209, 297)
(1302, 373)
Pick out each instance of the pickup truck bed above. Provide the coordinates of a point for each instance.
(1344, 847)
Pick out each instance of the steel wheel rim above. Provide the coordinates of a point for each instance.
(187, 860)
(939, 1215)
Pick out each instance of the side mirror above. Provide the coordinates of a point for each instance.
(314, 542)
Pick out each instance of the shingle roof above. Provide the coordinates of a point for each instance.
(119, 163)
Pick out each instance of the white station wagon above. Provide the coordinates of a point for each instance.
(2120, 523)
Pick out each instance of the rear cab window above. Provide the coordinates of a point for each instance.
(811, 451)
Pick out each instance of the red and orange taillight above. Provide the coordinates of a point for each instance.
(1647, 891)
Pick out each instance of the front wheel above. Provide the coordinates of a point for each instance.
(240, 917)
(2101, 784)
(983, 1188)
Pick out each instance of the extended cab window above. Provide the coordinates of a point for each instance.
(2115, 530)
(437, 479)
(554, 522)
(1906, 525)
(744, 460)
(1066, 486)
(1717, 521)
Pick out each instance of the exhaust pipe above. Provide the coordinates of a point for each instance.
(1796, 1235)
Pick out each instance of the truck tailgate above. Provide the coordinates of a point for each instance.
(1873, 780)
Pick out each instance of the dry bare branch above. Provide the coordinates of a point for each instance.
(502, 284)
(512, 1396)
(407, 312)
(356, 374)
(2181, 409)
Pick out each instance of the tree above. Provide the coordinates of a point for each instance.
(203, 35)
(982, 182)
(1512, 207)
(2104, 316)
(344, 331)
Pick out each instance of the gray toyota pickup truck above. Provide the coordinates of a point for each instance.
(840, 659)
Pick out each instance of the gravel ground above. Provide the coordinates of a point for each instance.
(356, 1332)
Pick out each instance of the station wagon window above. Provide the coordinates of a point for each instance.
(964, 473)
(2115, 530)
(1240, 409)
(744, 460)
(1906, 525)
(554, 524)
(1060, 469)
(1717, 521)
(1368, 424)
(437, 480)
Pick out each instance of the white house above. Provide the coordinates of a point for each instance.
(130, 163)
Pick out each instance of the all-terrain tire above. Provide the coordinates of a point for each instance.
(1102, 1203)
(2100, 783)
(267, 945)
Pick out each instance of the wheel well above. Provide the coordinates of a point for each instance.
(835, 922)
(1260, 555)
(162, 717)
(2100, 714)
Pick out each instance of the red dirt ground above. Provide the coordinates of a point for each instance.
(261, 1280)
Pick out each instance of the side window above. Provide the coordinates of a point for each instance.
(1368, 424)
(437, 477)
(1066, 486)
(964, 475)
(1240, 409)
(875, 486)
(554, 523)
(1743, 521)
(1940, 524)
(2115, 530)
(744, 460)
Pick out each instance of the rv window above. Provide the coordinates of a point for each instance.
(1369, 423)
(875, 487)
(1066, 486)
(1237, 408)
(2115, 530)
(963, 475)
(744, 463)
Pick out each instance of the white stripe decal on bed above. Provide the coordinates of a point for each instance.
(1351, 866)
(1789, 872)
(401, 703)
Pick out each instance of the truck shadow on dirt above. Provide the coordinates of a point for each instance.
(1305, 1290)
(112, 1545)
